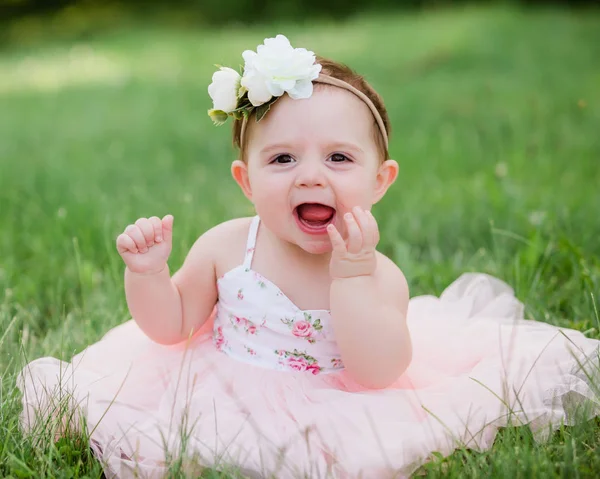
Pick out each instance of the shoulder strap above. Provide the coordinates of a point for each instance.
(251, 243)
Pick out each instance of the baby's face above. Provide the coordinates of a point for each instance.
(310, 161)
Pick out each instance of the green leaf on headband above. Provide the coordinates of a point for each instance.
(262, 110)
(217, 116)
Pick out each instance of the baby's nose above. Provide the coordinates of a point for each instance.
(310, 174)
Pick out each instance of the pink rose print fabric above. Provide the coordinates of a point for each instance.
(254, 318)
(304, 328)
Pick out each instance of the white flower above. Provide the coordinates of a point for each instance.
(276, 68)
(224, 89)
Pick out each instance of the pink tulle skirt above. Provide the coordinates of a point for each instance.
(477, 366)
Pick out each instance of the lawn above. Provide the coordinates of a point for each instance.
(496, 126)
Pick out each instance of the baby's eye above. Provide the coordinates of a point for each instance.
(339, 158)
(283, 159)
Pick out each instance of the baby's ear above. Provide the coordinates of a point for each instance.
(239, 171)
(386, 175)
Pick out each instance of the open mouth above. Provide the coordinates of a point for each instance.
(313, 218)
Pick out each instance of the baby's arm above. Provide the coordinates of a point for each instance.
(369, 302)
(369, 315)
(167, 309)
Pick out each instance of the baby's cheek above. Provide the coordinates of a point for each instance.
(360, 198)
(270, 207)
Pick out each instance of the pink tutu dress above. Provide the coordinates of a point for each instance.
(262, 386)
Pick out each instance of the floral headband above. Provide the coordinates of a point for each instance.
(274, 69)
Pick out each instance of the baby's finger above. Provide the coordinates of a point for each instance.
(167, 228)
(157, 226)
(125, 244)
(374, 228)
(135, 233)
(363, 223)
(145, 225)
(355, 239)
(336, 239)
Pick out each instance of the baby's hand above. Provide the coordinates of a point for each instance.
(357, 255)
(146, 245)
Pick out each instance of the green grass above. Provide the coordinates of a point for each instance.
(496, 121)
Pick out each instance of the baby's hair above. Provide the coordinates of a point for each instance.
(346, 74)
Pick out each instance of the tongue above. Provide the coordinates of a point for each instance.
(314, 212)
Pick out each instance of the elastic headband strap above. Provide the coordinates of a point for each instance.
(346, 86)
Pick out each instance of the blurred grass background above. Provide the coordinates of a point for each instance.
(495, 113)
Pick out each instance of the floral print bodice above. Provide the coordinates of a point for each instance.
(257, 323)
